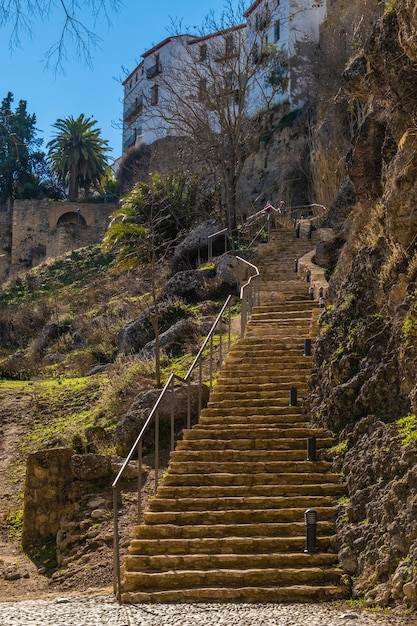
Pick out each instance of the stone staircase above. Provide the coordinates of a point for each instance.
(228, 520)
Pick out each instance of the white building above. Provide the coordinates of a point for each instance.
(189, 67)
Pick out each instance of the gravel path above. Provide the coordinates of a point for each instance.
(104, 611)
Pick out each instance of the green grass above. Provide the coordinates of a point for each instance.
(407, 428)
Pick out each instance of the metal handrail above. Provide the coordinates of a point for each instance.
(249, 293)
(210, 238)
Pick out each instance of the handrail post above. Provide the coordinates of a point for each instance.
(188, 404)
(211, 362)
(116, 549)
(220, 342)
(229, 342)
(243, 316)
(139, 481)
(172, 415)
(200, 382)
(156, 449)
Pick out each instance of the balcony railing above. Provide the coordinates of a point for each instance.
(133, 109)
(153, 70)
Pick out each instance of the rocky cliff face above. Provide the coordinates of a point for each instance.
(364, 383)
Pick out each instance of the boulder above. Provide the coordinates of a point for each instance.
(131, 423)
(187, 284)
(90, 466)
(229, 270)
(196, 243)
(137, 333)
(175, 340)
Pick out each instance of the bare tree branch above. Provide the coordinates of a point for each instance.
(22, 15)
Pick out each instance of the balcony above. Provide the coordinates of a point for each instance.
(152, 71)
(133, 110)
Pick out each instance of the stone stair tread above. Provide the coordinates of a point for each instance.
(207, 562)
(246, 467)
(270, 478)
(236, 516)
(229, 455)
(224, 545)
(279, 444)
(275, 431)
(243, 502)
(266, 491)
(262, 529)
(288, 593)
(230, 577)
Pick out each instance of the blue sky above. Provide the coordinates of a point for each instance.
(95, 91)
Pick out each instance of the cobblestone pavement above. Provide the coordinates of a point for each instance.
(96, 610)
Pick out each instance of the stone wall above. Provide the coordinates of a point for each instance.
(39, 229)
(48, 478)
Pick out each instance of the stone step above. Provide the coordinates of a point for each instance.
(255, 404)
(241, 379)
(221, 394)
(283, 444)
(203, 531)
(229, 578)
(262, 478)
(228, 545)
(247, 412)
(288, 443)
(205, 431)
(160, 504)
(248, 467)
(243, 456)
(265, 491)
(209, 562)
(286, 421)
(290, 305)
(287, 593)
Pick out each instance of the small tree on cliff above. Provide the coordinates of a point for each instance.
(78, 154)
(153, 216)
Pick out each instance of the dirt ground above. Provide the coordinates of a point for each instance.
(26, 577)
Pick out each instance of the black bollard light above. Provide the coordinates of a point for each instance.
(297, 231)
(321, 292)
(311, 449)
(308, 276)
(311, 293)
(321, 303)
(311, 529)
(296, 265)
(307, 347)
(293, 396)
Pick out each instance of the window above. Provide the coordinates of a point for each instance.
(154, 94)
(203, 52)
(277, 29)
(229, 44)
(202, 88)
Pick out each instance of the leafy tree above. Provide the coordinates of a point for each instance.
(19, 150)
(77, 154)
(21, 14)
(144, 230)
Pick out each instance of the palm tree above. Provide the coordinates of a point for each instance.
(77, 154)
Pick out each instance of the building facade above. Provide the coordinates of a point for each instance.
(184, 73)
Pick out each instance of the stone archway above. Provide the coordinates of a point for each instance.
(73, 218)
